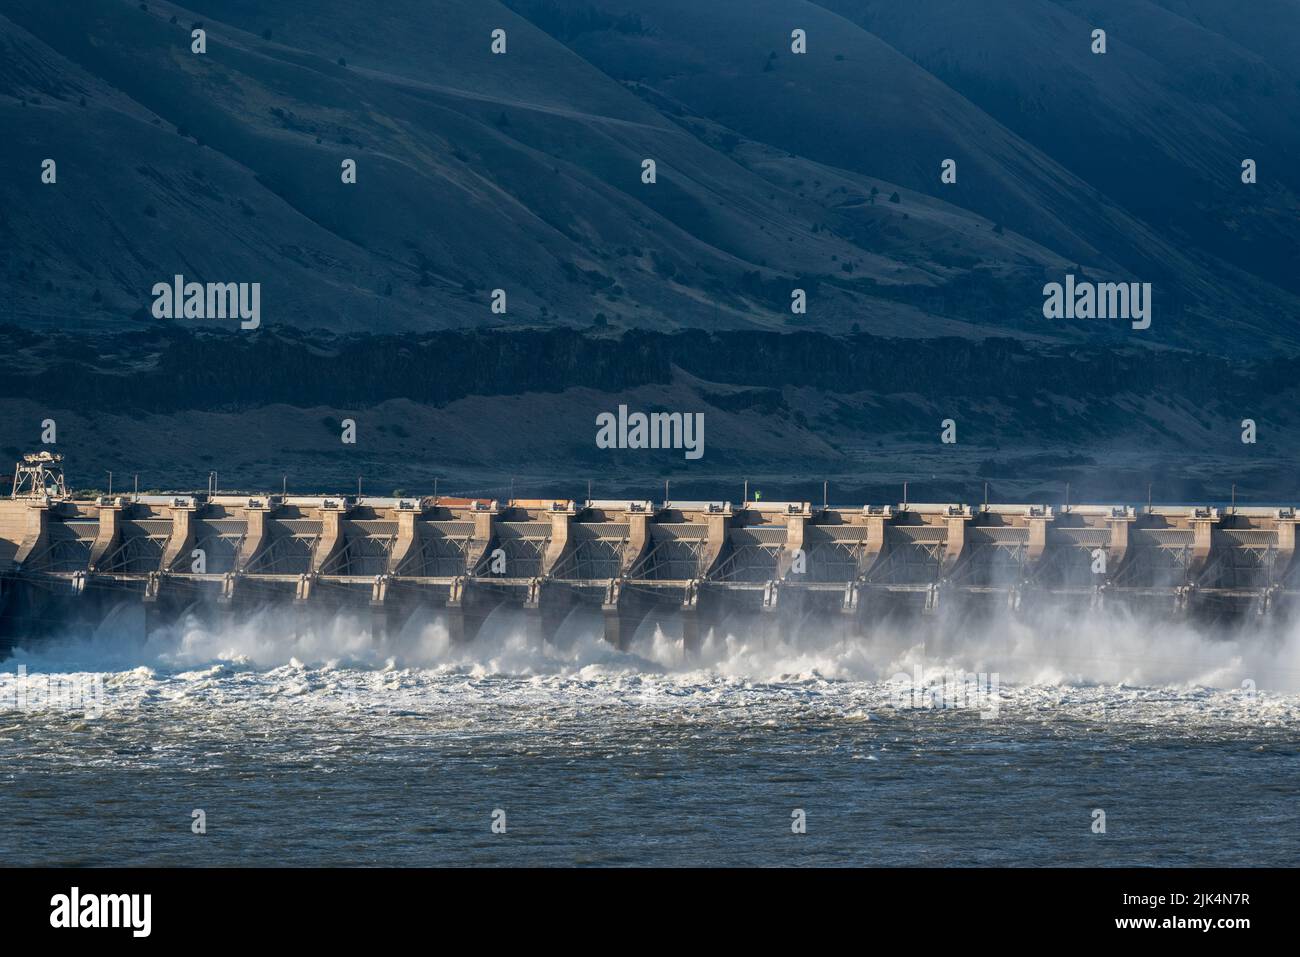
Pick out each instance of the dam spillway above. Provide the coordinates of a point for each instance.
(63, 557)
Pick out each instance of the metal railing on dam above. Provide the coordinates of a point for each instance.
(634, 560)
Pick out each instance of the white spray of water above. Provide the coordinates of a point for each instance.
(1058, 650)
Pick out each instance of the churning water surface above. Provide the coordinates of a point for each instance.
(314, 745)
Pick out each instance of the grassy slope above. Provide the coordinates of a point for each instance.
(520, 172)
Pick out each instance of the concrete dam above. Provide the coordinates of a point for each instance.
(776, 564)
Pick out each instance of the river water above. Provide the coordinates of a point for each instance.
(317, 746)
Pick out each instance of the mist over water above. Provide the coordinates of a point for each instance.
(1054, 648)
